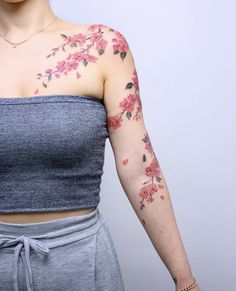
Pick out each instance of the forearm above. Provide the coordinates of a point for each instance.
(158, 219)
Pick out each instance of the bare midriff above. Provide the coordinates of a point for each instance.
(41, 216)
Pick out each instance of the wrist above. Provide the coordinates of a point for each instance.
(183, 282)
(185, 286)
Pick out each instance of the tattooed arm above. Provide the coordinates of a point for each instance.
(136, 163)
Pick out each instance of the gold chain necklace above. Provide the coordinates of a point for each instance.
(15, 44)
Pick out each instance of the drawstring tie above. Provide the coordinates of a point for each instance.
(23, 242)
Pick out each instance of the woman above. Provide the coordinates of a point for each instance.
(67, 87)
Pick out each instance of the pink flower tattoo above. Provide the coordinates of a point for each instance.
(131, 105)
(152, 171)
(82, 44)
(120, 45)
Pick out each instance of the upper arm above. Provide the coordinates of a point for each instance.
(134, 155)
(123, 104)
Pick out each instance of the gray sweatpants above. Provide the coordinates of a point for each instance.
(73, 253)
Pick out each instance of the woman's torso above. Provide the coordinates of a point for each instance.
(44, 54)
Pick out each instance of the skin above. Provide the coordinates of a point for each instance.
(131, 109)
(93, 60)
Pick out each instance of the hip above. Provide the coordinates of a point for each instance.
(72, 253)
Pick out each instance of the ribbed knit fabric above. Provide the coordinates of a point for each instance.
(51, 152)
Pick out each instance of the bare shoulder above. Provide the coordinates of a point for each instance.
(114, 40)
(108, 44)
(106, 40)
(111, 44)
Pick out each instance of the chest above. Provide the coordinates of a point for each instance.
(65, 63)
(44, 129)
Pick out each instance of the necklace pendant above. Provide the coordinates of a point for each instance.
(14, 46)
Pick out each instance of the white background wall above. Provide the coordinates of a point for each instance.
(185, 59)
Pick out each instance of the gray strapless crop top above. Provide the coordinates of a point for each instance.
(51, 152)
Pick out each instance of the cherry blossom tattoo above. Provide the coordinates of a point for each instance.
(127, 105)
(131, 109)
(82, 44)
(152, 171)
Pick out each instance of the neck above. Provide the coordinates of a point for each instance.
(19, 19)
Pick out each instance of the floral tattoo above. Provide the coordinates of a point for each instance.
(82, 44)
(127, 105)
(131, 109)
(152, 171)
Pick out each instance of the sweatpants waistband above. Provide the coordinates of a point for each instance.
(54, 231)
(41, 236)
